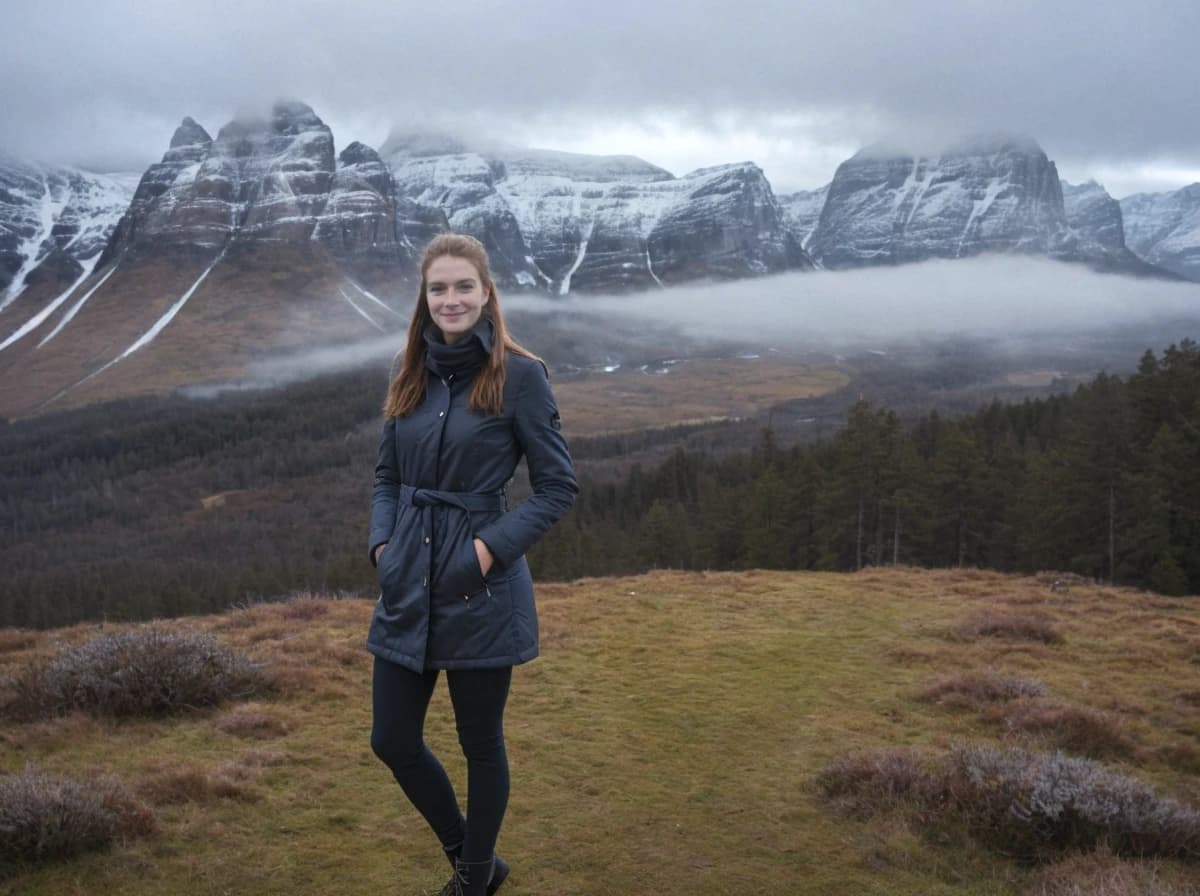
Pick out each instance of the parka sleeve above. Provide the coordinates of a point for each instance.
(551, 474)
(386, 491)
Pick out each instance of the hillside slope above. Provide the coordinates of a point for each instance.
(666, 741)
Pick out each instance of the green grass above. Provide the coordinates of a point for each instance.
(665, 742)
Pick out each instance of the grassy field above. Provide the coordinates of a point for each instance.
(667, 741)
(693, 391)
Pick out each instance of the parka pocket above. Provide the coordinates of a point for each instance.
(463, 578)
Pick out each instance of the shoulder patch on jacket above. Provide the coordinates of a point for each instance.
(555, 421)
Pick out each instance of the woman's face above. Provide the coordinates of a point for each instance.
(455, 295)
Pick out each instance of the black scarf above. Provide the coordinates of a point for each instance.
(463, 357)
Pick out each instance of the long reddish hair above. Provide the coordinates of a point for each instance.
(407, 390)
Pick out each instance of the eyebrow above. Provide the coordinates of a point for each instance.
(461, 281)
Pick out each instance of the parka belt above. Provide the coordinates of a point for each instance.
(468, 501)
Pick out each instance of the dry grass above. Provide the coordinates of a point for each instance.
(1102, 874)
(975, 690)
(198, 785)
(665, 742)
(252, 721)
(695, 391)
(1011, 626)
(16, 639)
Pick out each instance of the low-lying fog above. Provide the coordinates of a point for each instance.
(1005, 305)
(983, 297)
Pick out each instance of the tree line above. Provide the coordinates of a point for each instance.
(165, 507)
(1104, 483)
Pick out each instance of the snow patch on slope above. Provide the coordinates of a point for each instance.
(36, 321)
(74, 309)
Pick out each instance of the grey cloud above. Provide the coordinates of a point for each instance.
(1106, 83)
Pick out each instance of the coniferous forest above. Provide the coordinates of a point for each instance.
(164, 507)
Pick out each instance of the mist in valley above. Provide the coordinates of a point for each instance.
(999, 313)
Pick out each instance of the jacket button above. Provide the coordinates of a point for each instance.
(425, 582)
(441, 413)
(427, 539)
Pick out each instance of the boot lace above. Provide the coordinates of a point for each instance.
(456, 885)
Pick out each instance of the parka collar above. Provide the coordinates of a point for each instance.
(465, 355)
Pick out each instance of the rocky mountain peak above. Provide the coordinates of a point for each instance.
(293, 117)
(189, 133)
(358, 154)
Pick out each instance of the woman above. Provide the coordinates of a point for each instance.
(456, 593)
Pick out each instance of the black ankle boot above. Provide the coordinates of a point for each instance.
(500, 867)
(470, 879)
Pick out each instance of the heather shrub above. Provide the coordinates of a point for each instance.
(863, 784)
(978, 689)
(1027, 803)
(141, 672)
(1076, 729)
(45, 817)
(1032, 806)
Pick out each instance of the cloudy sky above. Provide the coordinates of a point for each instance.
(1108, 89)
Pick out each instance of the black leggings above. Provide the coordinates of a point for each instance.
(400, 698)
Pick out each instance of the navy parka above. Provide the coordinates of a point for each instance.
(439, 483)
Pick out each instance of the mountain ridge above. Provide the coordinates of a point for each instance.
(262, 239)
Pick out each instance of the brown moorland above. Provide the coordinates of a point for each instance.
(694, 391)
(668, 741)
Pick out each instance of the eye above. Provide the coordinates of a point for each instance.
(436, 289)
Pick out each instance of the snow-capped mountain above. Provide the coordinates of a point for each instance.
(261, 179)
(985, 194)
(262, 240)
(257, 240)
(565, 222)
(1164, 229)
(54, 223)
